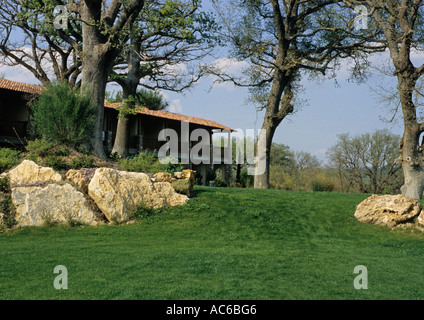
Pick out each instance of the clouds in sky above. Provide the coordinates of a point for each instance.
(331, 110)
(232, 67)
(22, 74)
(174, 69)
(18, 73)
(175, 106)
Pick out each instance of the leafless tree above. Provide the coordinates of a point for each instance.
(366, 163)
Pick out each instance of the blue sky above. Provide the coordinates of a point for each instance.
(330, 110)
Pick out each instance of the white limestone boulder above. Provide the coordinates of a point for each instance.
(119, 193)
(59, 203)
(389, 210)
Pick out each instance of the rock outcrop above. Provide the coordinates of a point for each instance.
(86, 196)
(28, 172)
(81, 178)
(388, 210)
(119, 193)
(163, 177)
(57, 203)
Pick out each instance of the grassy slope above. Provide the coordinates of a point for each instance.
(225, 244)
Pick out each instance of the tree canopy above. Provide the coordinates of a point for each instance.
(281, 40)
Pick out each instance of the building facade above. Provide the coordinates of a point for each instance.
(143, 134)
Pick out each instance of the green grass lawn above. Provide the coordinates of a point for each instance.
(225, 244)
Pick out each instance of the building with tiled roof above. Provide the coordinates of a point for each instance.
(144, 126)
(144, 131)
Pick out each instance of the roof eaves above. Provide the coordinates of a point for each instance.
(20, 87)
(174, 116)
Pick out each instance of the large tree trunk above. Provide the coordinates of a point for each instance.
(98, 64)
(278, 107)
(414, 177)
(129, 88)
(399, 26)
(410, 149)
(120, 146)
(263, 151)
(99, 53)
(412, 162)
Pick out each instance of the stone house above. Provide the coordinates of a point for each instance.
(144, 128)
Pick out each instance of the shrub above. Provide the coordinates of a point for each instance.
(8, 158)
(143, 162)
(220, 182)
(322, 183)
(82, 161)
(246, 180)
(56, 163)
(62, 151)
(6, 206)
(63, 115)
(279, 178)
(4, 185)
(173, 167)
(39, 147)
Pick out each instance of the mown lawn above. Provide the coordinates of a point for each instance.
(225, 244)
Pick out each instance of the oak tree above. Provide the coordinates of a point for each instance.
(98, 30)
(165, 37)
(29, 39)
(281, 41)
(401, 26)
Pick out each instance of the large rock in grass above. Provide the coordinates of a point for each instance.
(119, 193)
(389, 210)
(28, 172)
(53, 203)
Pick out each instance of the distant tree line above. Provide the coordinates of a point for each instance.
(366, 163)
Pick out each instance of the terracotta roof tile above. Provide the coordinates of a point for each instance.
(20, 87)
(173, 116)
